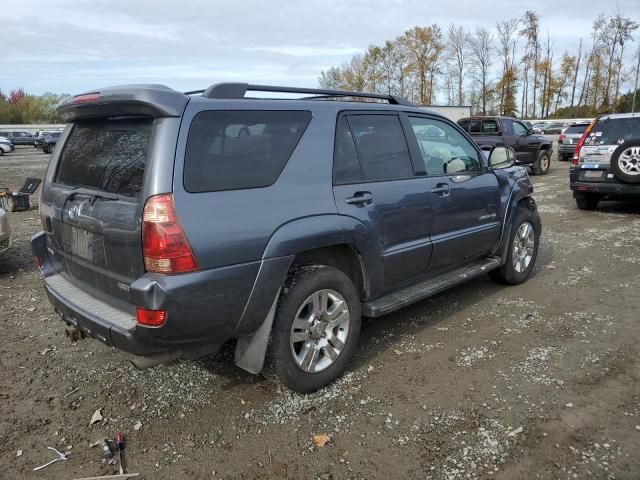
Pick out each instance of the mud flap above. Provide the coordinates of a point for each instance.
(251, 350)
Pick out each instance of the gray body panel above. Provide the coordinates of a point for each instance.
(244, 241)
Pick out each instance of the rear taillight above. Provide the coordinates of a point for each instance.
(151, 318)
(164, 244)
(576, 153)
(561, 138)
(87, 98)
(38, 261)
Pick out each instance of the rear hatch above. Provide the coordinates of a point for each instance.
(573, 133)
(94, 203)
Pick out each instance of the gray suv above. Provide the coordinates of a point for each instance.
(174, 223)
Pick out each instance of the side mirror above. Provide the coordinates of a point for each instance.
(502, 157)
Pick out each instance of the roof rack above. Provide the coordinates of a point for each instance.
(238, 90)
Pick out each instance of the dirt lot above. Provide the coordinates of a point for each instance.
(484, 381)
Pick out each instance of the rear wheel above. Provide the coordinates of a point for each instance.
(587, 201)
(316, 328)
(522, 249)
(1, 152)
(46, 149)
(542, 164)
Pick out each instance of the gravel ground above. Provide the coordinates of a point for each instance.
(483, 381)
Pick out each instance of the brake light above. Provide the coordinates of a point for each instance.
(151, 318)
(87, 98)
(576, 153)
(38, 261)
(561, 138)
(164, 245)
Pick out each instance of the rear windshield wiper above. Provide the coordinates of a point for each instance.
(91, 193)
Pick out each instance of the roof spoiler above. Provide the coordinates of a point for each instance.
(129, 100)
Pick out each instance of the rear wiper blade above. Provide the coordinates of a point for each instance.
(91, 193)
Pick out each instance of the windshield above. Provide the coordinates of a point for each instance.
(576, 128)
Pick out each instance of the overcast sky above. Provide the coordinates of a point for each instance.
(74, 46)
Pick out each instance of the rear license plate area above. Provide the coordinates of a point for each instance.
(86, 245)
(592, 174)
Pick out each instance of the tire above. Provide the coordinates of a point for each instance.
(586, 201)
(306, 289)
(46, 149)
(516, 274)
(1, 152)
(542, 165)
(10, 204)
(625, 162)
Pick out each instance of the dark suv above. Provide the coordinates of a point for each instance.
(531, 149)
(175, 222)
(606, 162)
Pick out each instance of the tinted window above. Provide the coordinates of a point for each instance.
(490, 126)
(471, 126)
(229, 150)
(106, 154)
(382, 148)
(346, 167)
(519, 128)
(447, 152)
(576, 129)
(612, 131)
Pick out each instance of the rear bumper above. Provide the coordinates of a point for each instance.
(604, 186)
(566, 149)
(205, 309)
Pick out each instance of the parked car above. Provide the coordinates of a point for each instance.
(531, 150)
(48, 141)
(18, 138)
(37, 138)
(176, 222)
(6, 146)
(5, 232)
(553, 128)
(538, 127)
(606, 163)
(569, 138)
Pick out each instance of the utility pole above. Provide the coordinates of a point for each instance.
(635, 89)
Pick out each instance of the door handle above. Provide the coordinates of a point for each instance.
(360, 198)
(441, 189)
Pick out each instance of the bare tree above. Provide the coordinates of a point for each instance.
(575, 74)
(507, 31)
(481, 49)
(456, 52)
(531, 32)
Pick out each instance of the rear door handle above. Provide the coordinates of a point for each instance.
(360, 198)
(441, 189)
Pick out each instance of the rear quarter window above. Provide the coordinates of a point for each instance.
(232, 150)
(106, 154)
(612, 131)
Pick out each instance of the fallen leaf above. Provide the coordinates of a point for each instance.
(31, 309)
(19, 453)
(321, 440)
(137, 426)
(96, 417)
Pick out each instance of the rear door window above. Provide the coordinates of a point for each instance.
(231, 150)
(106, 154)
(381, 146)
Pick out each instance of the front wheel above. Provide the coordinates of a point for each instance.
(542, 164)
(316, 328)
(522, 249)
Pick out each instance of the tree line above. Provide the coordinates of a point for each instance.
(510, 69)
(19, 107)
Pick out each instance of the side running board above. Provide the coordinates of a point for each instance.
(401, 298)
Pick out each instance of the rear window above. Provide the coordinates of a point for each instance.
(230, 150)
(106, 154)
(612, 131)
(576, 128)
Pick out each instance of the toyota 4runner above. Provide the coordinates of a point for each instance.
(176, 222)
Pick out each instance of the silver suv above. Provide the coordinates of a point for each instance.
(606, 162)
